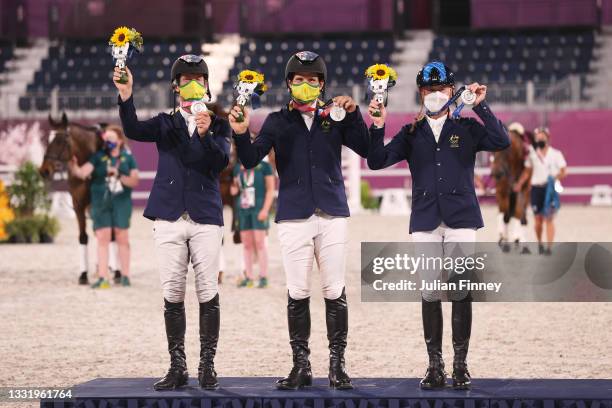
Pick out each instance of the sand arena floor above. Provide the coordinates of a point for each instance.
(56, 333)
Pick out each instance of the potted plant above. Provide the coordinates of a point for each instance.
(30, 203)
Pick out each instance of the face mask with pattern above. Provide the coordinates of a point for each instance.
(304, 92)
(192, 91)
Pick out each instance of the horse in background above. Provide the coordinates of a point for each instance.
(507, 167)
(68, 140)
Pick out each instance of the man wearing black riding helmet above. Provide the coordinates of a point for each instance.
(312, 205)
(440, 150)
(185, 204)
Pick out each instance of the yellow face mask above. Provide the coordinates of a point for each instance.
(192, 91)
(304, 92)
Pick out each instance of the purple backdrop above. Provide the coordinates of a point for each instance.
(97, 18)
(606, 12)
(533, 13)
(313, 16)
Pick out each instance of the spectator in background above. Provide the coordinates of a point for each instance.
(113, 175)
(256, 188)
(545, 166)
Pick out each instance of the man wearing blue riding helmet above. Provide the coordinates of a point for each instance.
(441, 151)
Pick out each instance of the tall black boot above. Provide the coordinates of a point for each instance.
(336, 317)
(298, 316)
(462, 328)
(177, 376)
(209, 336)
(432, 330)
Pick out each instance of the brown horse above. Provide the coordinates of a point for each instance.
(507, 167)
(72, 139)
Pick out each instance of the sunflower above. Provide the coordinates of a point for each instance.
(121, 36)
(250, 76)
(381, 71)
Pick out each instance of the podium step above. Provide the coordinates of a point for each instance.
(368, 393)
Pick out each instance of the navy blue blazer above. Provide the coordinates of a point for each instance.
(188, 169)
(443, 172)
(308, 161)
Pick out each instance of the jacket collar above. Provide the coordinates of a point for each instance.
(424, 122)
(295, 116)
(179, 121)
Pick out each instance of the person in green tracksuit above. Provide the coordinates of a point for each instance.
(113, 174)
(255, 194)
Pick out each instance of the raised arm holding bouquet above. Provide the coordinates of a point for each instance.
(124, 42)
(381, 77)
(249, 87)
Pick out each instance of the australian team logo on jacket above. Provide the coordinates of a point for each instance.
(454, 141)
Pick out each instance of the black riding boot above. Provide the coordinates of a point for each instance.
(298, 316)
(432, 329)
(177, 376)
(336, 317)
(209, 335)
(462, 328)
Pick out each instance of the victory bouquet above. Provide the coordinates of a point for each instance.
(124, 42)
(381, 77)
(249, 87)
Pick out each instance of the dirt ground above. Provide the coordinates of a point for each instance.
(56, 333)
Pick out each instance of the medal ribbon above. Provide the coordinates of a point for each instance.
(452, 100)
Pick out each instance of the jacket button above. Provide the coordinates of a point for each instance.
(440, 194)
(313, 166)
(440, 179)
(437, 149)
(438, 164)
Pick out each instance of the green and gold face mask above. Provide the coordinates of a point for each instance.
(192, 91)
(304, 92)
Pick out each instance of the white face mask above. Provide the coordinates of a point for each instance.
(435, 101)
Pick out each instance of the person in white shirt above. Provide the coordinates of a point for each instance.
(543, 161)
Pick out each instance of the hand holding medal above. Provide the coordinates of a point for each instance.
(337, 113)
(249, 87)
(337, 107)
(469, 95)
(381, 77)
(124, 42)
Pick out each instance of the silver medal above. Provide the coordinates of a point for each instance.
(337, 113)
(468, 97)
(198, 107)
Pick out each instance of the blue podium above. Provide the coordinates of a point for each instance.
(368, 393)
